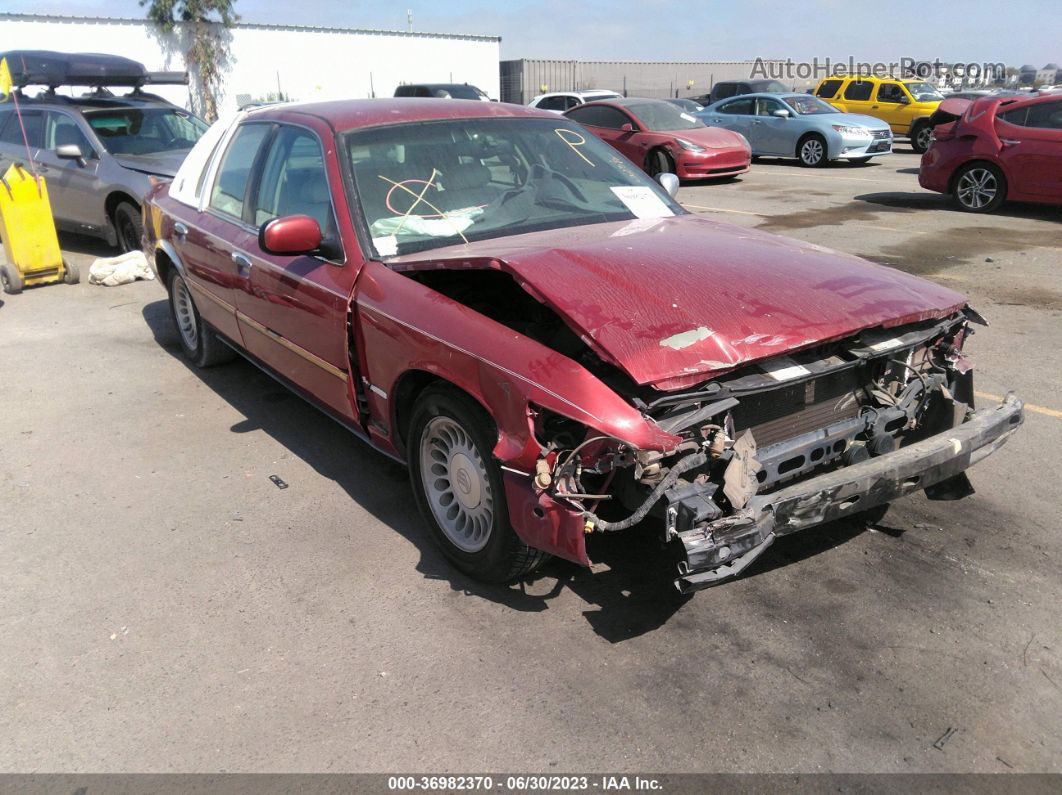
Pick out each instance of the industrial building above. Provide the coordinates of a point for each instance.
(301, 63)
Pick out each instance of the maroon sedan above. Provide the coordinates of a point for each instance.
(990, 150)
(661, 137)
(552, 344)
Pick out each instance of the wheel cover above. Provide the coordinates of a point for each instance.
(923, 138)
(977, 188)
(811, 151)
(456, 484)
(184, 314)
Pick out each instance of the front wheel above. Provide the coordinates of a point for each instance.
(128, 227)
(659, 162)
(921, 137)
(459, 490)
(811, 151)
(979, 188)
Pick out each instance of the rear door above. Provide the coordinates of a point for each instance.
(210, 241)
(737, 115)
(857, 97)
(293, 309)
(1031, 141)
(73, 188)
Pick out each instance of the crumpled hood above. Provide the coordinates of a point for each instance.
(674, 300)
(163, 164)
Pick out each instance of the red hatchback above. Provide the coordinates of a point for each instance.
(992, 149)
(661, 137)
(552, 344)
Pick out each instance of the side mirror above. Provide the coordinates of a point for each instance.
(628, 127)
(669, 182)
(70, 152)
(905, 101)
(780, 113)
(291, 235)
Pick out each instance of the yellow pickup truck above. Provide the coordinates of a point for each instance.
(905, 105)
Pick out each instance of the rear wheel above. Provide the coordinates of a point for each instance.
(979, 188)
(659, 162)
(199, 341)
(128, 227)
(459, 490)
(811, 151)
(11, 279)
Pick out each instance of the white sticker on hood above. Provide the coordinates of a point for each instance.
(688, 117)
(642, 202)
(782, 368)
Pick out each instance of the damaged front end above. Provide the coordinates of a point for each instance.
(783, 444)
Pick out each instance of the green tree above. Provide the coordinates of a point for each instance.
(202, 28)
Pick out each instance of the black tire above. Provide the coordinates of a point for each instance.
(11, 279)
(658, 161)
(203, 347)
(128, 226)
(920, 134)
(71, 274)
(812, 152)
(978, 188)
(502, 556)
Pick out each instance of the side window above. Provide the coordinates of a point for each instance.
(572, 102)
(62, 129)
(1047, 115)
(859, 90)
(599, 116)
(553, 103)
(34, 123)
(230, 186)
(1015, 116)
(294, 181)
(741, 107)
(765, 107)
(890, 92)
(828, 88)
(724, 90)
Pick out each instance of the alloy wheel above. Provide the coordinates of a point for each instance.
(811, 152)
(977, 188)
(184, 313)
(456, 484)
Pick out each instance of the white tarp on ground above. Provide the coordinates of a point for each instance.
(112, 271)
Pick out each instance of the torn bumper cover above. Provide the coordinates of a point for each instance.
(721, 549)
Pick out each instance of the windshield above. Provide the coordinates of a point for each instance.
(809, 105)
(923, 92)
(433, 184)
(663, 116)
(769, 87)
(145, 131)
(462, 92)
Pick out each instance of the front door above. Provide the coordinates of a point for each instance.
(293, 309)
(892, 105)
(1032, 148)
(772, 135)
(74, 188)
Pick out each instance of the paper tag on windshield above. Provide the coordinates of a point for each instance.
(688, 117)
(782, 368)
(386, 246)
(642, 202)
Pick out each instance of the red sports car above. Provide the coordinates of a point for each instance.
(990, 150)
(552, 344)
(661, 137)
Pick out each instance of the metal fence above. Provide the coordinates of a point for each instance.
(523, 79)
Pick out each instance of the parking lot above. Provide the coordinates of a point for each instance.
(167, 607)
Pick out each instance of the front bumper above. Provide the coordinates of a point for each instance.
(723, 548)
(712, 163)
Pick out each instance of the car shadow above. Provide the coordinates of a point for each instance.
(628, 593)
(83, 244)
(937, 201)
(767, 160)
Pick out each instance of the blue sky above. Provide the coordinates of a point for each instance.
(657, 30)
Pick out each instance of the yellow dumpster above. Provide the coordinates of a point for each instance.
(31, 245)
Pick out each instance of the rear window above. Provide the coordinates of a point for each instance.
(828, 88)
(1045, 116)
(858, 90)
(741, 107)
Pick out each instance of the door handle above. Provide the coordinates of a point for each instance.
(180, 230)
(243, 264)
(1009, 142)
(873, 107)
